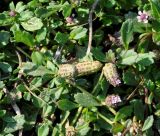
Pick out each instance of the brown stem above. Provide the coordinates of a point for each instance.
(90, 26)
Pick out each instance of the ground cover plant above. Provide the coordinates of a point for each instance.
(80, 68)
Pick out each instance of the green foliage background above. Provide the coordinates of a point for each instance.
(36, 36)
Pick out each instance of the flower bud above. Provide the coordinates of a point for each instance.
(111, 74)
(12, 13)
(112, 100)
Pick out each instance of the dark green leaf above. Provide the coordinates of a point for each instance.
(65, 105)
(4, 38)
(86, 100)
(97, 53)
(61, 38)
(123, 113)
(5, 67)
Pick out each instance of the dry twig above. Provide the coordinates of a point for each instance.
(90, 26)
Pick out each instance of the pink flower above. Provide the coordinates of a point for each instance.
(143, 16)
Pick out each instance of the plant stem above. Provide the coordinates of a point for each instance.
(26, 54)
(77, 115)
(104, 118)
(96, 86)
(65, 118)
(90, 26)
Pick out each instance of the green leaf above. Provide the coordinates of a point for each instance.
(117, 127)
(32, 24)
(25, 15)
(13, 123)
(127, 32)
(24, 37)
(5, 67)
(37, 58)
(155, 8)
(20, 7)
(40, 71)
(130, 78)
(39, 103)
(4, 38)
(156, 38)
(61, 38)
(148, 123)
(138, 109)
(65, 105)
(123, 113)
(41, 34)
(67, 9)
(1, 84)
(97, 53)
(47, 110)
(86, 100)
(2, 113)
(128, 57)
(43, 1)
(43, 130)
(78, 33)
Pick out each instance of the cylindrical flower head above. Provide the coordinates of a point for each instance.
(67, 70)
(111, 74)
(112, 100)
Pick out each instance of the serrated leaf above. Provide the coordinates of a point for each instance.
(65, 105)
(24, 37)
(61, 38)
(86, 100)
(123, 113)
(127, 32)
(148, 123)
(43, 130)
(32, 24)
(20, 7)
(78, 33)
(128, 57)
(14, 123)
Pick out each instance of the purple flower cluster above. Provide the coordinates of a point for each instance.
(112, 100)
(143, 16)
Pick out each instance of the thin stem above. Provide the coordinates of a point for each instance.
(26, 54)
(25, 85)
(77, 115)
(104, 118)
(65, 118)
(96, 86)
(134, 91)
(90, 26)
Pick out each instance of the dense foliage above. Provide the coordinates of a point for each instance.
(51, 85)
